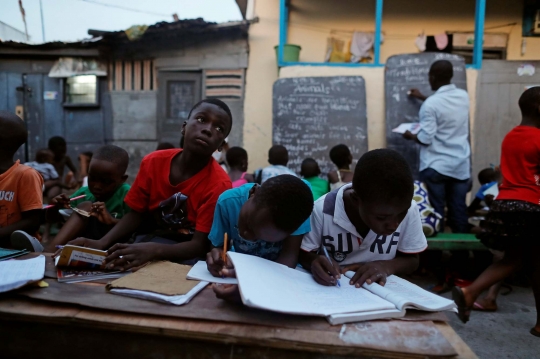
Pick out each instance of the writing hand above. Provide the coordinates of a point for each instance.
(324, 272)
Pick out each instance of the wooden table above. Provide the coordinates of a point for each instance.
(33, 328)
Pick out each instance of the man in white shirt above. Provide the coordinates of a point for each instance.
(278, 157)
(445, 151)
(371, 226)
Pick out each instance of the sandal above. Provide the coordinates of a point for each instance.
(535, 332)
(463, 310)
(479, 307)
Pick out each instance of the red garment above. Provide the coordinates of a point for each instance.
(152, 186)
(520, 165)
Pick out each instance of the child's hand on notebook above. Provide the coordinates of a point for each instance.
(324, 272)
(227, 292)
(370, 272)
(124, 256)
(102, 214)
(216, 266)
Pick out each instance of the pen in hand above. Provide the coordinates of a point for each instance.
(331, 263)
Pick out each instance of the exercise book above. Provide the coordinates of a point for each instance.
(161, 281)
(268, 285)
(17, 273)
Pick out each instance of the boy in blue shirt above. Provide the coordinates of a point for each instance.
(268, 221)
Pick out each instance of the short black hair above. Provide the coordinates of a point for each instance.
(113, 154)
(42, 154)
(13, 134)
(382, 175)
(278, 155)
(164, 146)
(442, 70)
(235, 156)
(340, 155)
(289, 200)
(487, 175)
(529, 102)
(310, 168)
(56, 142)
(218, 103)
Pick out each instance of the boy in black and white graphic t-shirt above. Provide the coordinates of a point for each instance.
(371, 226)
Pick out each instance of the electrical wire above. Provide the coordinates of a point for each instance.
(124, 8)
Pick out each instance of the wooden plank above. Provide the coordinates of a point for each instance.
(464, 352)
(72, 321)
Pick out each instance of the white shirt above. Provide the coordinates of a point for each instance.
(331, 226)
(444, 121)
(275, 170)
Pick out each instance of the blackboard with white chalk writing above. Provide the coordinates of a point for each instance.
(313, 114)
(402, 73)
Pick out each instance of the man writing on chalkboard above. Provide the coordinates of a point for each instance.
(445, 150)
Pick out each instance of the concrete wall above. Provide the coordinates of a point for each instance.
(310, 24)
(135, 115)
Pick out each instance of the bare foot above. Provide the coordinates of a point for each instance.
(469, 300)
(485, 305)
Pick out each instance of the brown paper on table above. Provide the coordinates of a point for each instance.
(159, 277)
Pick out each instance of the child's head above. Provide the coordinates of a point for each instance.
(341, 156)
(44, 155)
(278, 155)
(488, 175)
(275, 209)
(237, 158)
(13, 134)
(529, 103)
(310, 168)
(383, 189)
(107, 171)
(164, 146)
(58, 146)
(209, 123)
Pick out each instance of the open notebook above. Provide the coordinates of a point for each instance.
(272, 286)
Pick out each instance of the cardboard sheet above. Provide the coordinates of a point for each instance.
(159, 277)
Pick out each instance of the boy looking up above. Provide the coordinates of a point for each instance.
(21, 187)
(371, 226)
(164, 174)
(267, 221)
(104, 198)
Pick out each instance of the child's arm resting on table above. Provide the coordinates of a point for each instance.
(134, 255)
(378, 271)
(122, 230)
(289, 252)
(323, 271)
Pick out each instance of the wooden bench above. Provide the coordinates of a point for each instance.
(455, 241)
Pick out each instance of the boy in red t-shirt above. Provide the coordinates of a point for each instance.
(21, 187)
(191, 171)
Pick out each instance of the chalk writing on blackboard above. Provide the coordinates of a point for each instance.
(313, 114)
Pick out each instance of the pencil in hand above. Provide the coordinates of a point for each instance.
(224, 253)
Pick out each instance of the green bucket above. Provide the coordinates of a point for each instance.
(291, 53)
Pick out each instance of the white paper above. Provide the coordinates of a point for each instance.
(272, 286)
(16, 273)
(413, 127)
(493, 190)
(200, 272)
(172, 299)
(405, 294)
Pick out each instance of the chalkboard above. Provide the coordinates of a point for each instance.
(313, 114)
(402, 73)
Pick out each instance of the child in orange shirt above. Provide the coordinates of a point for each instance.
(21, 187)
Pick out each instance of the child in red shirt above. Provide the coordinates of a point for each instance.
(512, 223)
(21, 187)
(163, 174)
